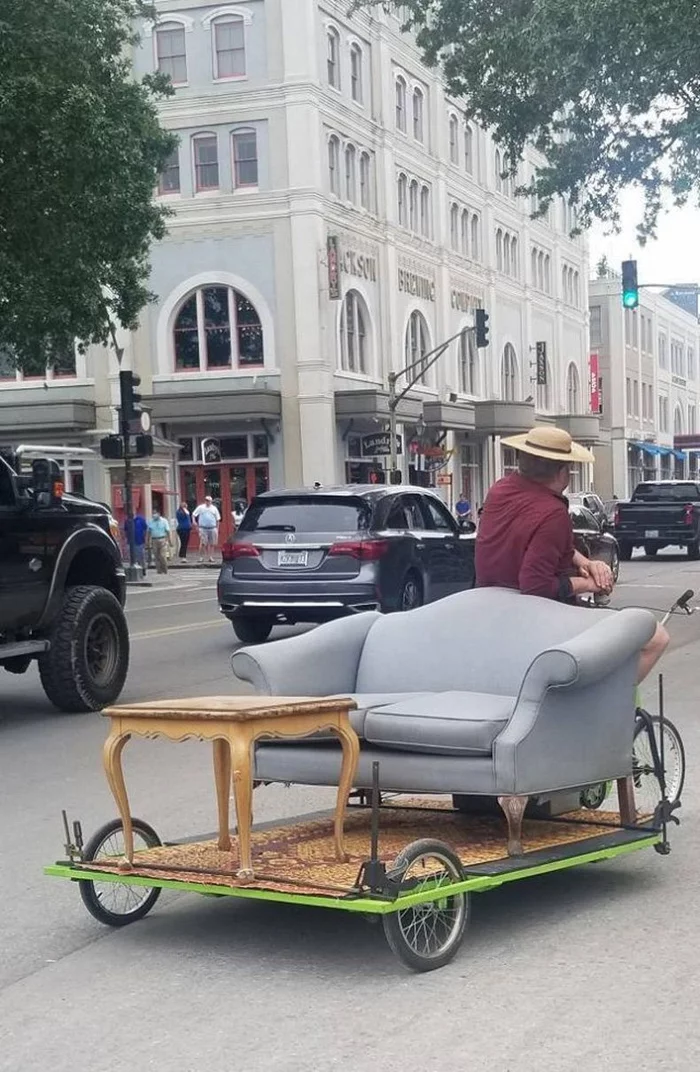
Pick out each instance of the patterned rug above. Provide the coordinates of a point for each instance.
(300, 857)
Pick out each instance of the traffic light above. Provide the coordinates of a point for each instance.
(112, 447)
(630, 286)
(143, 445)
(481, 320)
(130, 399)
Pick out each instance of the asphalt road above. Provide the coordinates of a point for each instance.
(595, 968)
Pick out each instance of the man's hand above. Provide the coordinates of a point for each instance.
(599, 572)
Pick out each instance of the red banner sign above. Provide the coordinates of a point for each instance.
(594, 388)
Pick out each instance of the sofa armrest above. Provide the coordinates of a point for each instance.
(322, 662)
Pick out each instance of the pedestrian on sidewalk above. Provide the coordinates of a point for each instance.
(183, 522)
(159, 539)
(207, 519)
(140, 533)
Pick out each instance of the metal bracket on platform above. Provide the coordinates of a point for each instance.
(74, 846)
(373, 875)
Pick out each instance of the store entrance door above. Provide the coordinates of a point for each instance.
(232, 487)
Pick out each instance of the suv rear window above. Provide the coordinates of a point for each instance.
(312, 514)
(666, 493)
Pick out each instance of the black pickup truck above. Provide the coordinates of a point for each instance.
(62, 588)
(661, 513)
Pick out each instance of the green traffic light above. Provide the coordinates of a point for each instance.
(630, 299)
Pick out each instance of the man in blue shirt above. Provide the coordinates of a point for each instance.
(140, 531)
(159, 540)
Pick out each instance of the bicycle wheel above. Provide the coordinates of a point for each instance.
(118, 903)
(647, 789)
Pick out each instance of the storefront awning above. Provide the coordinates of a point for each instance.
(236, 404)
(655, 449)
(361, 405)
(452, 416)
(52, 414)
(494, 417)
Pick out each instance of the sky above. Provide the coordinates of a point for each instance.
(673, 258)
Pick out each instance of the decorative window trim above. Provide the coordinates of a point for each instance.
(184, 20)
(170, 307)
(235, 14)
(232, 12)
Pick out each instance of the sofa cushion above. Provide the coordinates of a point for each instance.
(445, 723)
(367, 700)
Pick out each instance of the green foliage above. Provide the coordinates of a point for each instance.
(608, 90)
(81, 148)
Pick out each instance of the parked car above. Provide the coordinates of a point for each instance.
(592, 539)
(591, 502)
(661, 513)
(311, 555)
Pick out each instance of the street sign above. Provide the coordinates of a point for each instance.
(594, 386)
(378, 445)
(333, 268)
(541, 351)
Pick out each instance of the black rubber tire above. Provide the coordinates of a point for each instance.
(65, 673)
(394, 922)
(252, 630)
(672, 731)
(411, 583)
(651, 550)
(625, 551)
(87, 886)
(694, 551)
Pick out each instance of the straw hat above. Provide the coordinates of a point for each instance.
(544, 441)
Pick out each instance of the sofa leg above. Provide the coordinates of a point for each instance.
(626, 804)
(514, 809)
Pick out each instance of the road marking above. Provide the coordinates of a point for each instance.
(175, 629)
(631, 585)
(179, 603)
(191, 587)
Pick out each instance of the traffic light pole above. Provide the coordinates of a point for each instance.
(133, 571)
(422, 365)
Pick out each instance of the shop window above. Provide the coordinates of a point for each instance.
(261, 446)
(233, 447)
(217, 328)
(353, 334)
(509, 374)
(573, 390)
(186, 449)
(510, 461)
(417, 345)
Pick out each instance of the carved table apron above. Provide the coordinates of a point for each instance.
(233, 724)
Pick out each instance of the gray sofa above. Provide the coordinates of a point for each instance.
(487, 693)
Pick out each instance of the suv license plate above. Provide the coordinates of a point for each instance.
(292, 558)
(651, 534)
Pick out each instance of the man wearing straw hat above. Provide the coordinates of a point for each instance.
(525, 539)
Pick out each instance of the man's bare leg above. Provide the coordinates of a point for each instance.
(652, 652)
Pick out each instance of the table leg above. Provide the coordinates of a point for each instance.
(112, 759)
(351, 754)
(241, 749)
(222, 777)
(626, 804)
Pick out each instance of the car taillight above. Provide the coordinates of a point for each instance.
(232, 550)
(363, 550)
(688, 514)
(616, 516)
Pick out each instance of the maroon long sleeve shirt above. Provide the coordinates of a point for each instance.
(525, 540)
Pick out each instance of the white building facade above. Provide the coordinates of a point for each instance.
(334, 218)
(648, 366)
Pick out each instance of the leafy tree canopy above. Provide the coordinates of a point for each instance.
(608, 90)
(80, 152)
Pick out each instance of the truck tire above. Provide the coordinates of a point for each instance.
(86, 665)
(694, 550)
(625, 551)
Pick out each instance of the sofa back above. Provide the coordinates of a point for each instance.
(482, 640)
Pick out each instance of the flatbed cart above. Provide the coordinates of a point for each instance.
(412, 863)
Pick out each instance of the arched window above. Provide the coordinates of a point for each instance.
(350, 173)
(547, 274)
(171, 53)
(544, 391)
(507, 266)
(333, 58)
(205, 150)
(454, 222)
(499, 250)
(229, 47)
(356, 91)
(217, 328)
(464, 233)
(365, 181)
(402, 188)
(425, 211)
(353, 334)
(245, 158)
(540, 270)
(468, 364)
(576, 290)
(334, 165)
(678, 421)
(514, 258)
(417, 344)
(401, 104)
(533, 267)
(469, 149)
(509, 374)
(418, 114)
(573, 389)
(498, 168)
(453, 130)
(565, 284)
(475, 238)
(413, 206)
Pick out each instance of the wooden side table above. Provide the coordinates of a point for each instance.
(233, 724)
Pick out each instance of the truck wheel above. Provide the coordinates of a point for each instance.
(86, 665)
(625, 551)
(694, 550)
